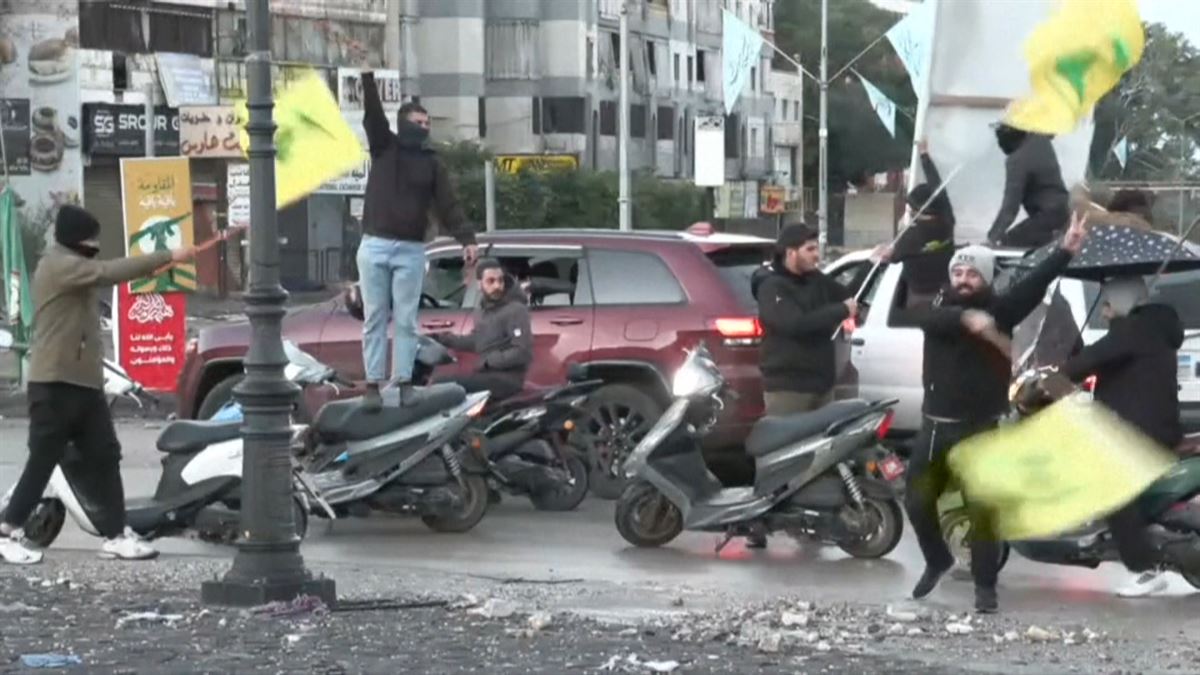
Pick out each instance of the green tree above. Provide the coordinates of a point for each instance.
(1149, 108)
(858, 143)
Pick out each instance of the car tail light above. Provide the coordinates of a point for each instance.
(1089, 385)
(738, 331)
(886, 425)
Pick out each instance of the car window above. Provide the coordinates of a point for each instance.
(852, 276)
(631, 278)
(549, 279)
(737, 265)
(444, 282)
(1180, 290)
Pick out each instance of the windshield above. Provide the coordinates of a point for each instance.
(736, 265)
(1180, 290)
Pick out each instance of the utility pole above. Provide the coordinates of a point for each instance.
(823, 135)
(489, 194)
(149, 112)
(268, 565)
(623, 138)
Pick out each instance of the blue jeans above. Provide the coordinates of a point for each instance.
(391, 274)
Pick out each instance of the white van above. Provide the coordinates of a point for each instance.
(887, 356)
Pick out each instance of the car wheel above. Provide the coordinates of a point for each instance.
(615, 419)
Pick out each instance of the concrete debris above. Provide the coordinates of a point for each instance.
(539, 621)
(1039, 634)
(770, 644)
(794, 619)
(149, 617)
(632, 663)
(914, 631)
(495, 608)
(959, 628)
(903, 616)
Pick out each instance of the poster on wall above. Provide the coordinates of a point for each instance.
(151, 336)
(237, 194)
(156, 199)
(39, 108)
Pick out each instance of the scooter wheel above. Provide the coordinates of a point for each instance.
(568, 495)
(475, 505)
(645, 517)
(45, 522)
(889, 527)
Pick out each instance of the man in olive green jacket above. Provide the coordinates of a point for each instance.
(66, 386)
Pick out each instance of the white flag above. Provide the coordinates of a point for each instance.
(1121, 150)
(882, 104)
(741, 50)
(912, 38)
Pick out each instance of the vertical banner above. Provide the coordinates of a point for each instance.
(151, 336)
(912, 38)
(156, 197)
(741, 50)
(40, 108)
(709, 151)
(881, 104)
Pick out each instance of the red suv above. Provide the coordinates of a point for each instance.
(624, 304)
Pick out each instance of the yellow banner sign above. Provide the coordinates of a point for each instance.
(518, 163)
(156, 198)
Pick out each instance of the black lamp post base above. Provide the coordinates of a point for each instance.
(239, 593)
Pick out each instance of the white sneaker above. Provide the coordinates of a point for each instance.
(15, 549)
(1144, 584)
(128, 546)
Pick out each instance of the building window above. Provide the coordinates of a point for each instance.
(732, 134)
(666, 123)
(608, 118)
(691, 70)
(637, 121)
(511, 50)
(753, 79)
(652, 58)
(483, 117)
(675, 58)
(755, 151)
(558, 115)
(700, 75)
(796, 113)
(186, 32)
(122, 28)
(591, 58)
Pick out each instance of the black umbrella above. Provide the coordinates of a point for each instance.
(1118, 250)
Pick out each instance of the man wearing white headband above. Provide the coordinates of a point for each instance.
(966, 375)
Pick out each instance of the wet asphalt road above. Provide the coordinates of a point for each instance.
(514, 541)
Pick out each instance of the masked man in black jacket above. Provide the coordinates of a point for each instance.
(1033, 180)
(1137, 377)
(967, 370)
(927, 244)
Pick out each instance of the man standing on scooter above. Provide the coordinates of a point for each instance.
(1137, 377)
(66, 386)
(501, 335)
(966, 375)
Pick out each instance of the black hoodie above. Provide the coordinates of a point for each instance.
(799, 314)
(1033, 180)
(1136, 369)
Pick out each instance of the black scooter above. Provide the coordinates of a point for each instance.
(525, 438)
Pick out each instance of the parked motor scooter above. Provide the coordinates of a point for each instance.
(819, 475)
(523, 438)
(406, 459)
(199, 489)
(1171, 504)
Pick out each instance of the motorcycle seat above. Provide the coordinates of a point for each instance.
(347, 421)
(185, 436)
(772, 433)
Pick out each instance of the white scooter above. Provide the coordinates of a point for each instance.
(199, 490)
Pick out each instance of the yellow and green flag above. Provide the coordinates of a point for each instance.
(1071, 463)
(1076, 57)
(313, 142)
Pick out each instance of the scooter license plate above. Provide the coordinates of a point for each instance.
(891, 467)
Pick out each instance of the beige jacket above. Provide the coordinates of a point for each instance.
(66, 344)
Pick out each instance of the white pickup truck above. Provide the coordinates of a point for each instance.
(886, 356)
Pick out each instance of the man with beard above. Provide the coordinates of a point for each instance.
(1033, 180)
(966, 376)
(501, 336)
(407, 179)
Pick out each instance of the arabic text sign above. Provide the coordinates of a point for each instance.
(152, 336)
(186, 80)
(237, 193)
(208, 131)
(156, 196)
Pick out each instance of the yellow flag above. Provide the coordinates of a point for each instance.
(1076, 57)
(1071, 463)
(313, 142)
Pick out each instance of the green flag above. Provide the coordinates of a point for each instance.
(17, 298)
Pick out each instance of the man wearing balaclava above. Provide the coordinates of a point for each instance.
(67, 405)
(1033, 180)
(926, 245)
(965, 374)
(406, 180)
(1137, 377)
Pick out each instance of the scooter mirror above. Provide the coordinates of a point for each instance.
(304, 367)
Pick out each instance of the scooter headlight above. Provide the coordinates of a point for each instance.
(696, 376)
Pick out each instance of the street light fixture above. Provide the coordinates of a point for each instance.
(268, 565)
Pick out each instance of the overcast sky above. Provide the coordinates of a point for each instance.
(1181, 16)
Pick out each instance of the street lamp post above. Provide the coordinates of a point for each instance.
(268, 565)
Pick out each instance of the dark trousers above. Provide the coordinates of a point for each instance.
(502, 385)
(61, 416)
(1133, 541)
(1037, 230)
(928, 478)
